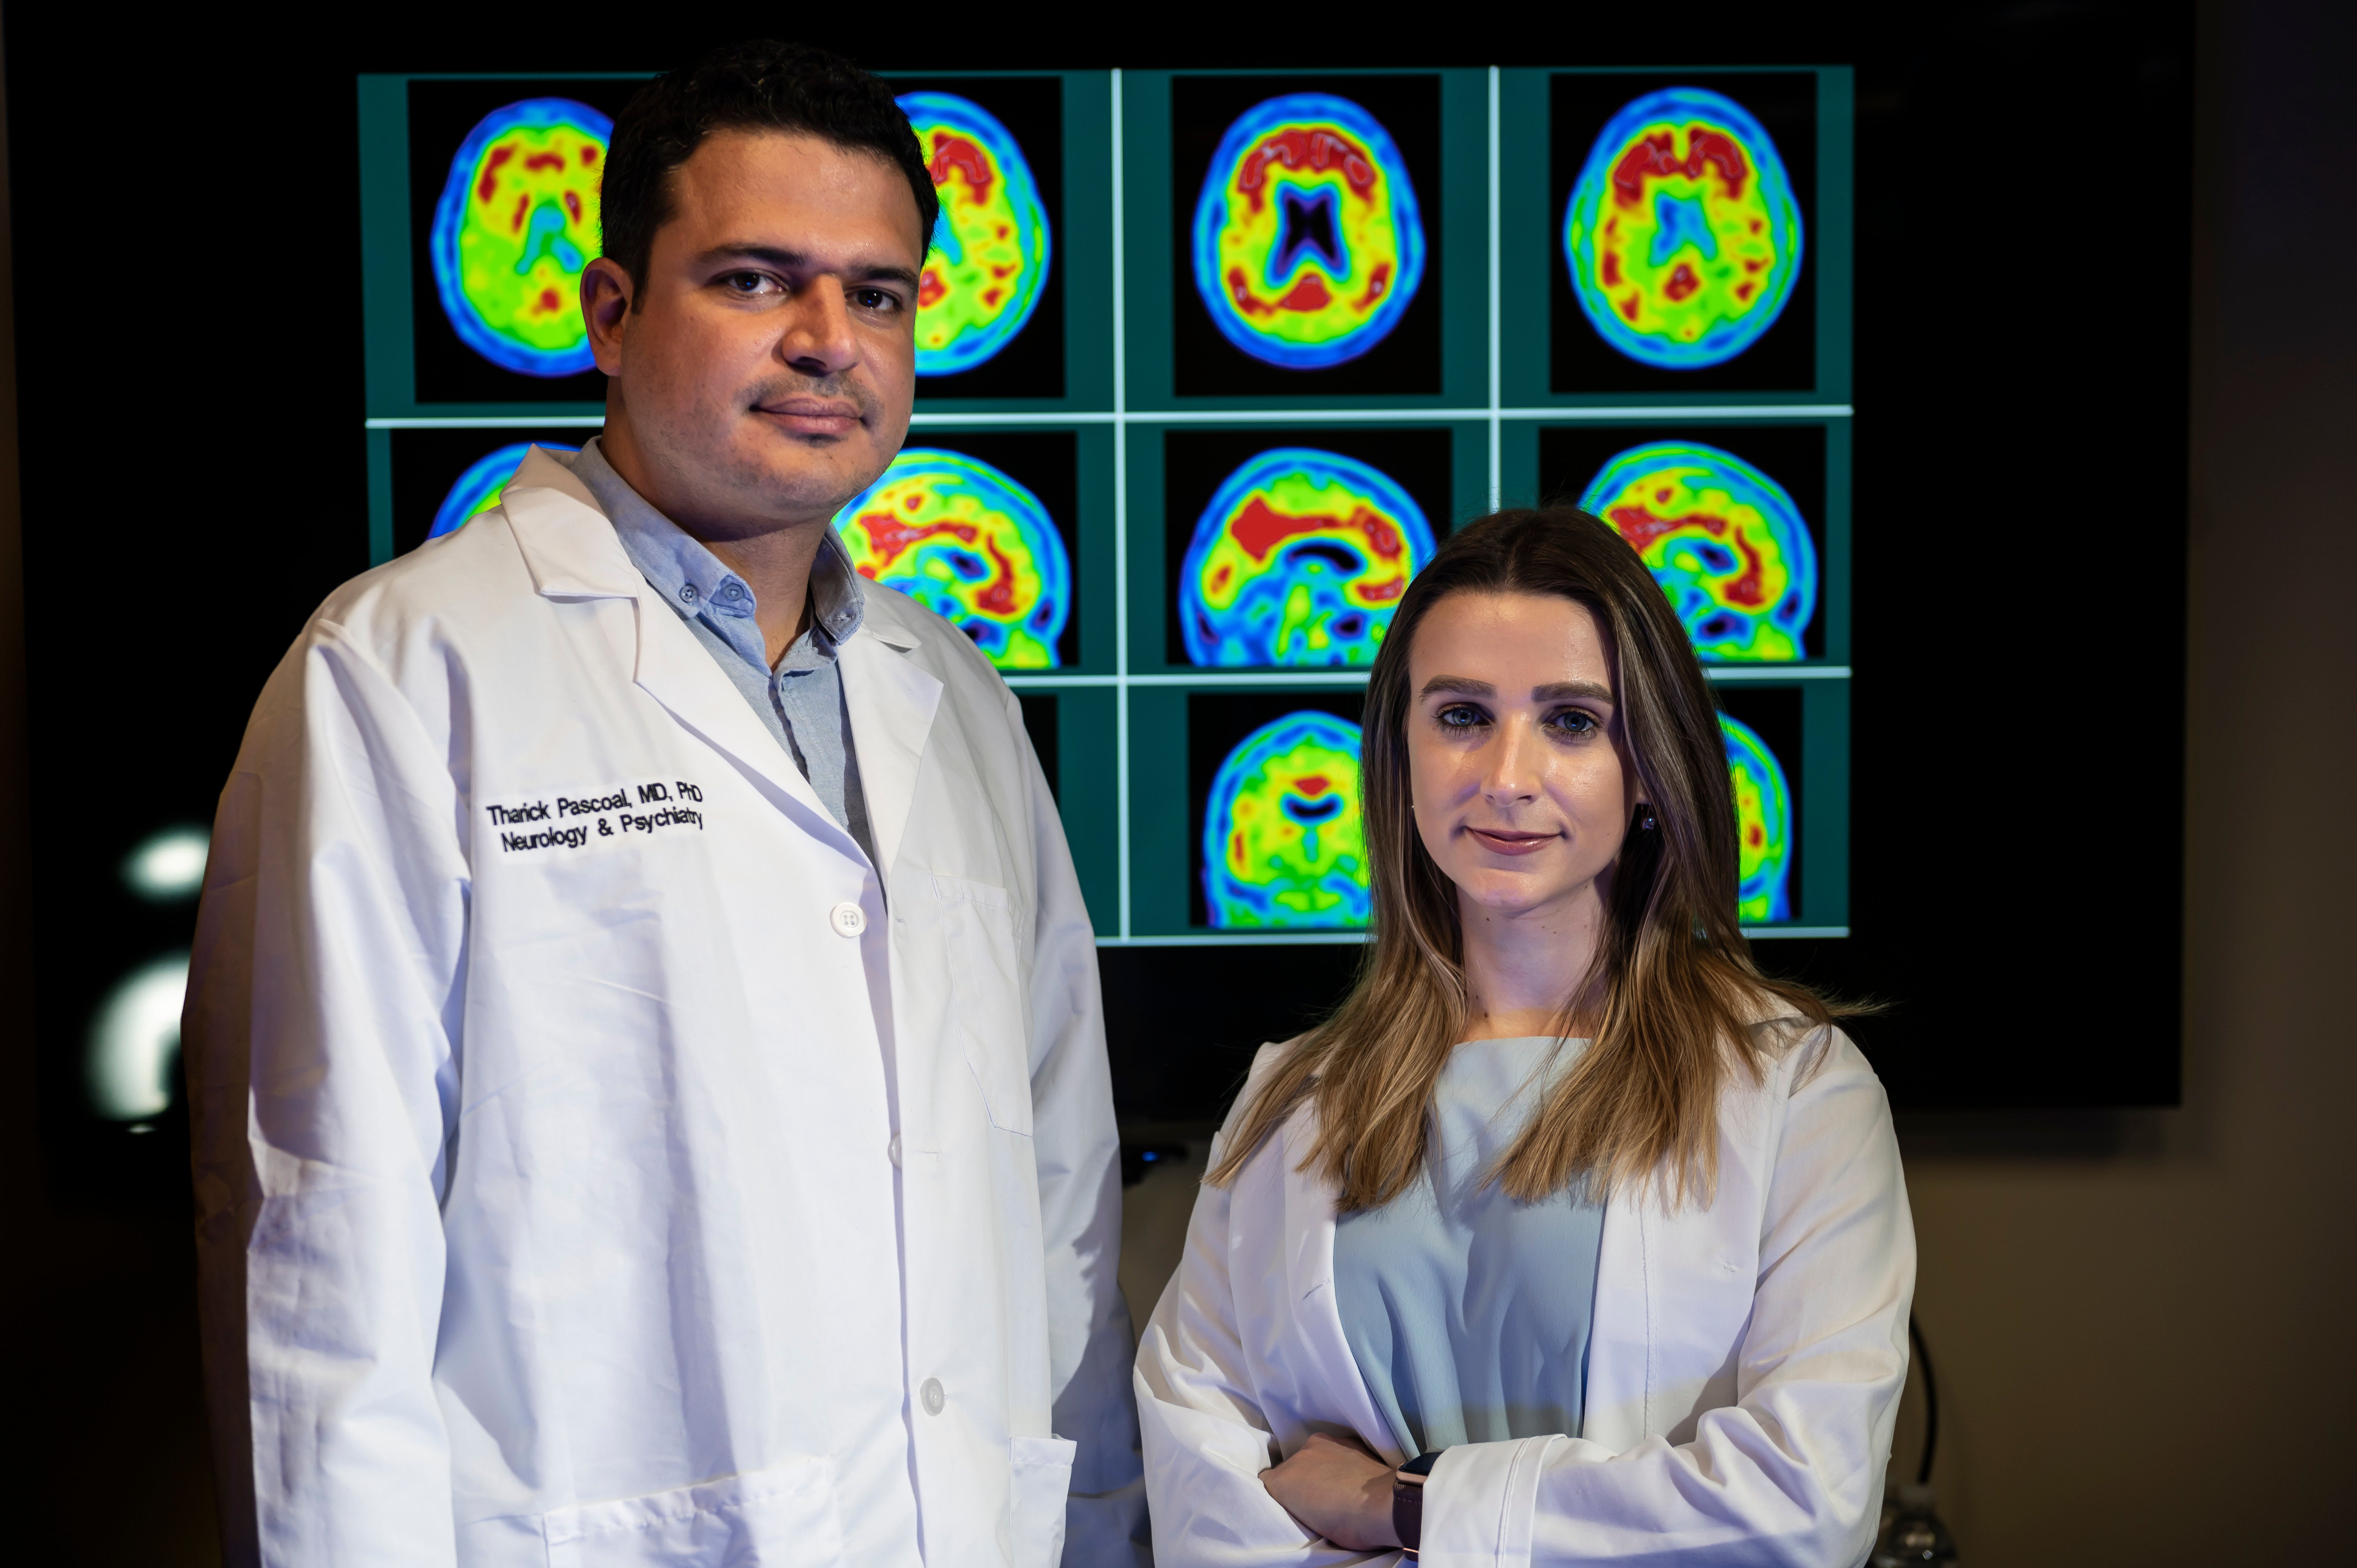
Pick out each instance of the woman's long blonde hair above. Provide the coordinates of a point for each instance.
(1673, 992)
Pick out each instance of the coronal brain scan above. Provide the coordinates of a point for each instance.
(990, 253)
(1300, 560)
(1725, 540)
(1307, 243)
(477, 489)
(1284, 841)
(1763, 824)
(517, 223)
(971, 543)
(1682, 234)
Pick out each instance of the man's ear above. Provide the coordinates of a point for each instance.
(606, 296)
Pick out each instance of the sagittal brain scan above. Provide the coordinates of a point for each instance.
(1725, 540)
(971, 543)
(1284, 845)
(990, 251)
(1763, 824)
(1299, 560)
(517, 223)
(479, 487)
(1308, 244)
(1682, 234)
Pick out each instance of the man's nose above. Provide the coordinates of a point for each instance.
(818, 339)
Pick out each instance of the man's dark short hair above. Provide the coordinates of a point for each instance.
(762, 85)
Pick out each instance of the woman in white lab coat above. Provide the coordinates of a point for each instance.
(1569, 1237)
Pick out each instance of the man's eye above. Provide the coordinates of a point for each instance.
(875, 299)
(1460, 715)
(748, 284)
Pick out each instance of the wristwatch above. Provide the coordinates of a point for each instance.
(1407, 1499)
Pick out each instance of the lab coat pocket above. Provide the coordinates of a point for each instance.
(1043, 1477)
(783, 1514)
(979, 932)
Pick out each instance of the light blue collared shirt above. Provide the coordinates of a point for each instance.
(801, 700)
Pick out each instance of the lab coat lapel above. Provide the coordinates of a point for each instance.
(1323, 1343)
(1619, 1331)
(891, 701)
(573, 552)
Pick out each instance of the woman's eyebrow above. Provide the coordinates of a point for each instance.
(1562, 689)
(1463, 685)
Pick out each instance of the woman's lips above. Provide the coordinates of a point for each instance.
(1509, 842)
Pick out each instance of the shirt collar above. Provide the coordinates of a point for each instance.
(677, 566)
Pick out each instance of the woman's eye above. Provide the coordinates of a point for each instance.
(1574, 721)
(1461, 716)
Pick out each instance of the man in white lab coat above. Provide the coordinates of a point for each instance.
(649, 1076)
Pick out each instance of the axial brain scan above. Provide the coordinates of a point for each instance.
(1284, 845)
(989, 261)
(1681, 233)
(1308, 242)
(1763, 825)
(516, 226)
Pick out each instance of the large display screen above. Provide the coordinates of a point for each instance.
(1209, 363)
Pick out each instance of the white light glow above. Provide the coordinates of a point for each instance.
(135, 1044)
(170, 864)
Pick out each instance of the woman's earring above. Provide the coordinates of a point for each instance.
(1646, 823)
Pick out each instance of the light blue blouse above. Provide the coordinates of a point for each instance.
(1468, 1313)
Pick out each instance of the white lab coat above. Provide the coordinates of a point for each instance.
(546, 1190)
(1744, 1362)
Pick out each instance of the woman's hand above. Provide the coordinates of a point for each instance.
(1337, 1488)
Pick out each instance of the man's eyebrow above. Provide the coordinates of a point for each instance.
(797, 261)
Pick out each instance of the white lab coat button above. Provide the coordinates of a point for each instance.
(849, 919)
(894, 1148)
(932, 1396)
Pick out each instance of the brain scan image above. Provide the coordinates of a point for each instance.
(989, 258)
(516, 225)
(1725, 540)
(1763, 825)
(1284, 845)
(1300, 560)
(1308, 244)
(969, 543)
(479, 487)
(1682, 234)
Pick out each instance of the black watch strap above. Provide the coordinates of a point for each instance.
(1407, 1499)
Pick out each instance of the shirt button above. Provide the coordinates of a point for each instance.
(894, 1148)
(932, 1396)
(687, 591)
(849, 919)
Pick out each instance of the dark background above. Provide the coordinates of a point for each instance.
(1217, 723)
(1571, 455)
(1407, 360)
(1783, 357)
(1196, 463)
(1032, 363)
(441, 115)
